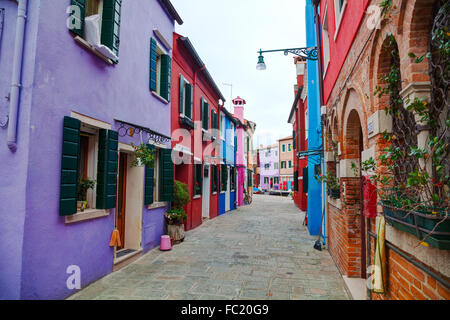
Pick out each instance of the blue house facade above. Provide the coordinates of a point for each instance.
(227, 196)
(315, 205)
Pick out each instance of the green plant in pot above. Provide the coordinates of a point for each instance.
(143, 156)
(332, 183)
(176, 216)
(83, 187)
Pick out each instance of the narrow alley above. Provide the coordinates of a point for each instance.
(260, 251)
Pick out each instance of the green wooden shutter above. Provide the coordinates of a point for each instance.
(188, 101)
(205, 114)
(78, 16)
(149, 180)
(111, 24)
(305, 180)
(295, 139)
(153, 57)
(296, 180)
(181, 94)
(69, 166)
(166, 63)
(107, 169)
(166, 175)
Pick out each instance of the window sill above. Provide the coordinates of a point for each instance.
(87, 215)
(197, 197)
(222, 192)
(159, 97)
(214, 193)
(156, 205)
(90, 48)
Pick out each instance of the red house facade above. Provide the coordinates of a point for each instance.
(298, 118)
(195, 129)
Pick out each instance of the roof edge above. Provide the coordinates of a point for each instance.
(172, 11)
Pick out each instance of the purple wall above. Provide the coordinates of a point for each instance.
(271, 159)
(64, 78)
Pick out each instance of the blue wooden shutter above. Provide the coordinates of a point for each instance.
(153, 57)
(166, 168)
(107, 169)
(111, 24)
(149, 181)
(166, 65)
(79, 16)
(69, 166)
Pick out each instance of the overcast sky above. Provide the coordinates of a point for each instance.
(227, 35)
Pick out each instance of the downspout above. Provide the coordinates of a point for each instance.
(319, 57)
(16, 75)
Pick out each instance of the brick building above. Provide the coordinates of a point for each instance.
(357, 52)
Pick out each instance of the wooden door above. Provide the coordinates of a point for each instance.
(121, 198)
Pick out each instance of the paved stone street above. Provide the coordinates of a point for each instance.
(261, 251)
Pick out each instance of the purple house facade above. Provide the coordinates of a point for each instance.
(76, 103)
(269, 171)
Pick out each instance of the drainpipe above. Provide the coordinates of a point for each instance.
(16, 74)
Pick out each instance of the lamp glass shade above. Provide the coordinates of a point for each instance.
(261, 65)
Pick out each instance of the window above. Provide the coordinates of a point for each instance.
(98, 22)
(276, 180)
(205, 114)
(289, 147)
(290, 164)
(223, 177)
(283, 148)
(214, 121)
(222, 127)
(215, 178)
(339, 7)
(267, 166)
(87, 166)
(249, 177)
(198, 179)
(185, 98)
(233, 178)
(283, 164)
(232, 134)
(276, 153)
(326, 43)
(266, 180)
(160, 71)
(275, 165)
(88, 152)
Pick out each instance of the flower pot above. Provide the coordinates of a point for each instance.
(81, 205)
(334, 193)
(176, 233)
(420, 224)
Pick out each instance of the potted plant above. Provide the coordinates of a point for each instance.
(176, 216)
(143, 156)
(83, 187)
(333, 186)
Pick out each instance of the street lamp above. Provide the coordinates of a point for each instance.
(261, 65)
(309, 53)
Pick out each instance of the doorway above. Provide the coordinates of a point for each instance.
(206, 191)
(128, 213)
(121, 198)
(227, 191)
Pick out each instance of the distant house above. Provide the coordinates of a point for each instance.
(269, 167)
(195, 108)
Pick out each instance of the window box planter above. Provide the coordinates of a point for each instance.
(420, 224)
(334, 193)
(187, 122)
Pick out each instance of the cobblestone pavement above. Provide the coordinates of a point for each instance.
(261, 251)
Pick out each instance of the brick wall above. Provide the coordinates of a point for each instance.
(349, 106)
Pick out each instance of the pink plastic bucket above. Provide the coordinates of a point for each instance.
(166, 244)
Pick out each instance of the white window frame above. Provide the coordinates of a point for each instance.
(325, 42)
(338, 14)
(222, 127)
